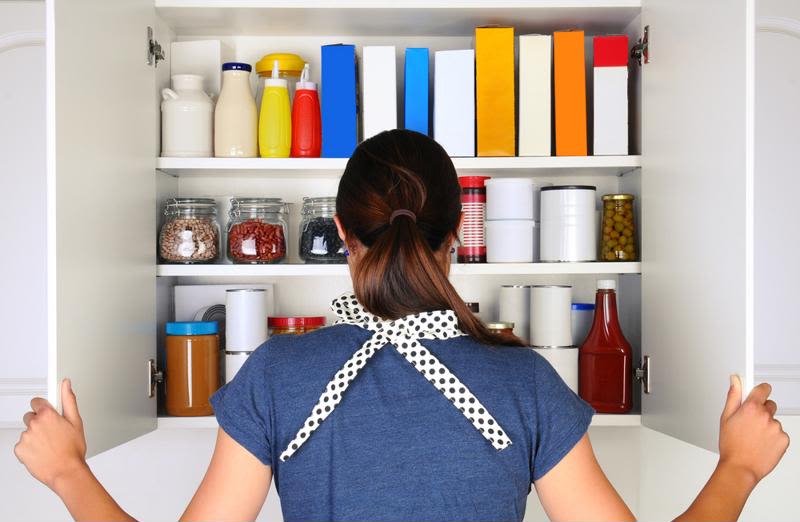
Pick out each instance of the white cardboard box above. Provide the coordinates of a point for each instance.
(535, 110)
(610, 111)
(379, 89)
(203, 57)
(454, 101)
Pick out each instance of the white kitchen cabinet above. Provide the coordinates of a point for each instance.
(691, 169)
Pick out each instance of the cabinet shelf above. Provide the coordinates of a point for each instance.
(389, 17)
(294, 270)
(599, 420)
(333, 167)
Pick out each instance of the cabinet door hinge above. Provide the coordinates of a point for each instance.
(154, 376)
(155, 53)
(641, 52)
(643, 374)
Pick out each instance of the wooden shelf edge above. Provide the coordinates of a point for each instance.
(297, 270)
(210, 422)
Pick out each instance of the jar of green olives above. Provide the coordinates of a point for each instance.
(619, 231)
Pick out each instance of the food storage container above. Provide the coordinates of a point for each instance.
(619, 230)
(501, 327)
(564, 360)
(551, 322)
(290, 67)
(319, 237)
(245, 319)
(473, 205)
(582, 317)
(187, 119)
(192, 367)
(257, 230)
(513, 198)
(233, 363)
(190, 233)
(569, 232)
(515, 307)
(512, 241)
(236, 116)
(294, 325)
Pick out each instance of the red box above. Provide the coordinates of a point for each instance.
(611, 51)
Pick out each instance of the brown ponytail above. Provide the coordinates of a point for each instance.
(399, 274)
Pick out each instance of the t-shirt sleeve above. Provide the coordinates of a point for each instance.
(562, 418)
(243, 406)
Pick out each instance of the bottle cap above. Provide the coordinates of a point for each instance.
(304, 82)
(276, 80)
(236, 66)
(606, 284)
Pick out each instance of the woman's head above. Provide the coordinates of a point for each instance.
(399, 212)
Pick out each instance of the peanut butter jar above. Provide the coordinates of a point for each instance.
(192, 369)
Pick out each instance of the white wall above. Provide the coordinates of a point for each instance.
(22, 212)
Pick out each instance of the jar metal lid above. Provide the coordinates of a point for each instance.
(295, 322)
(616, 197)
(568, 187)
(192, 328)
(316, 205)
(516, 286)
(551, 286)
(500, 326)
(271, 205)
(201, 205)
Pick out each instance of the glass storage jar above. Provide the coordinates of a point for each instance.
(319, 238)
(257, 230)
(190, 233)
(619, 230)
(192, 367)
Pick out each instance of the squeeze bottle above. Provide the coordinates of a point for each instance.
(306, 122)
(275, 120)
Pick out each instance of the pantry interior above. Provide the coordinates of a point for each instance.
(695, 339)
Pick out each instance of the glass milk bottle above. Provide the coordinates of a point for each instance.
(235, 118)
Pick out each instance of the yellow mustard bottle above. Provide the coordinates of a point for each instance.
(275, 120)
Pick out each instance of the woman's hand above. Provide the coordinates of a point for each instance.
(53, 447)
(751, 440)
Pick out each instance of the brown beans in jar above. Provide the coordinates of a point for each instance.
(254, 241)
(190, 233)
(618, 229)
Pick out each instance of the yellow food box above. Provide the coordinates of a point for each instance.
(494, 91)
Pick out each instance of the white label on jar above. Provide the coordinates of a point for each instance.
(319, 246)
(186, 246)
(249, 247)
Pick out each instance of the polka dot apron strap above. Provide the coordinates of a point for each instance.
(404, 334)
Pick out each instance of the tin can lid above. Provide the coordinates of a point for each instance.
(192, 328)
(473, 181)
(618, 197)
(295, 322)
(500, 326)
(568, 187)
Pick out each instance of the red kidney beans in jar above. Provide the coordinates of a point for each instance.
(257, 230)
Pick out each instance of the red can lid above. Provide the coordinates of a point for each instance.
(473, 181)
(295, 322)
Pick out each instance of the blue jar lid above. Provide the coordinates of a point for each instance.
(236, 66)
(582, 306)
(192, 328)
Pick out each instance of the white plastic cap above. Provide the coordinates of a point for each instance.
(304, 82)
(276, 80)
(606, 284)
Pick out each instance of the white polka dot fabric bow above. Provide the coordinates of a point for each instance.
(404, 335)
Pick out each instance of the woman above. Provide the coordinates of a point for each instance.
(409, 408)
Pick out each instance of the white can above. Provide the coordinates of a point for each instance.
(515, 307)
(511, 241)
(564, 360)
(245, 319)
(551, 307)
(569, 223)
(187, 119)
(582, 318)
(233, 362)
(513, 198)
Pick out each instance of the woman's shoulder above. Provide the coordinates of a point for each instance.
(330, 340)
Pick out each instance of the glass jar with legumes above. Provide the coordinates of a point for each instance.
(190, 233)
(257, 230)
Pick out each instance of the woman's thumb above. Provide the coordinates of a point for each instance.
(69, 404)
(734, 400)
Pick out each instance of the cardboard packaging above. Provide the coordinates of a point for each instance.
(454, 101)
(203, 57)
(494, 89)
(610, 95)
(339, 103)
(416, 90)
(569, 82)
(379, 89)
(535, 108)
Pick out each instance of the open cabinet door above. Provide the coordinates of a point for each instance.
(697, 153)
(101, 129)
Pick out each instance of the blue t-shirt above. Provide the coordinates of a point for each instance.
(395, 448)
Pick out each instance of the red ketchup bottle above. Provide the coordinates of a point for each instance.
(605, 357)
(306, 122)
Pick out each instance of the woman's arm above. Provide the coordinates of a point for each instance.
(53, 449)
(751, 444)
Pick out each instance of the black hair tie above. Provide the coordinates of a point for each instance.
(402, 212)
